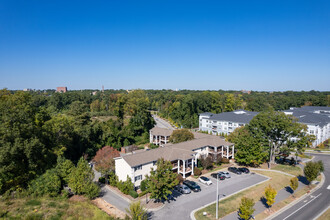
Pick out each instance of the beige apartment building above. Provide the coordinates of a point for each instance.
(183, 156)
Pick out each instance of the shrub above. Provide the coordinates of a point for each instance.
(294, 183)
(113, 179)
(143, 193)
(224, 160)
(197, 171)
(102, 180)
(48, 184)
(313, 169)
(143, 185)
(270, 194)
(92, 190)
(127, 186)
(133, 193)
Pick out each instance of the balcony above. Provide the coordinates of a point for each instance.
(188, 169)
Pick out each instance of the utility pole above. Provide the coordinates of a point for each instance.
(217, 203)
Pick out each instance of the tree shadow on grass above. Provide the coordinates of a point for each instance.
(303, 180)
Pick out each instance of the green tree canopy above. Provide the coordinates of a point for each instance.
(162, 180)
(249, 151)
(181, 136)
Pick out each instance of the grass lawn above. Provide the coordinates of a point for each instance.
(49, 208)
(231, 204)
(296, 171)
(325, 216)
(283, 203)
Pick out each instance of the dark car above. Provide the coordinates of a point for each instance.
(244, 170)
(218, 175)
(192, 185)
(234, 170)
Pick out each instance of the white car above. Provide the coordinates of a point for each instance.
(205, 180)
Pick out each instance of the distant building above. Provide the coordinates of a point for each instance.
(61, 89)
(224, 123)
(94, 93)
(246, 91)
(27, 90)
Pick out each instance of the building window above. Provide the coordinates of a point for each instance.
(139, 177)
(138, 168)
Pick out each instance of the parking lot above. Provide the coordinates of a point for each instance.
(183, 204)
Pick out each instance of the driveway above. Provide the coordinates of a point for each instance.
(185, 204)
(161, 123)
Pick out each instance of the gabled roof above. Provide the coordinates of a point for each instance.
(183, 150)
(238, 116)
(161, 131)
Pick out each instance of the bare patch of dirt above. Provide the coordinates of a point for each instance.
(108, 208)
(77, 198)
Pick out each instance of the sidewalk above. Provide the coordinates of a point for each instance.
(260, 206)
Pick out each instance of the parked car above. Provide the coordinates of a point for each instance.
(192, 185)
(183, 189)
(234, 170)
(244, 170)
(226, 174)
(218, 175)
(205, 180)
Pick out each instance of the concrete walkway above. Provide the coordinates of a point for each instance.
(261, 206)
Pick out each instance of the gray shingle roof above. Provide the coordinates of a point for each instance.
(239, 116)
(161, 131)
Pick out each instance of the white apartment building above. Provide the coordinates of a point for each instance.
(224, 123)
(317, 120)
(183, 157)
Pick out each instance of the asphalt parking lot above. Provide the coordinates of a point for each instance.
(183, 204)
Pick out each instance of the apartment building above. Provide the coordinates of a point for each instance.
(224, 123)
(317, 120)
(183, 157)
(160, 136)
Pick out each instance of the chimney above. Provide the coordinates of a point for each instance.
(122, 150)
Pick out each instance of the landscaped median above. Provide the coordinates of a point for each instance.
(279, 177)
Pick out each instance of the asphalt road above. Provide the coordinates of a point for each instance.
(162, 123)
(185, 204)
(313, 205)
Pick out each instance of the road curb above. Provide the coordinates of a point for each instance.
(298, 200)
(318, 216)
(192, 213)
(113, 191)
(156, 209)
(277, 171)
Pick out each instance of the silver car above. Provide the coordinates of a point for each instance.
(226, 174)
(184, 189)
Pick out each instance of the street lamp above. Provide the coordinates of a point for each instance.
(217, 203)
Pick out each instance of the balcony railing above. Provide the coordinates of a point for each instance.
(187, 170)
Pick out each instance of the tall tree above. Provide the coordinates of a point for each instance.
(272, 129)
(104, 161)
(249, 151)
(162, 180)
(181, 136)
(270, 194)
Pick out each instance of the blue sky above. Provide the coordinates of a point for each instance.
(224, 44)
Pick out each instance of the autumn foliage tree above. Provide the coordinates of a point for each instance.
(104, 162)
